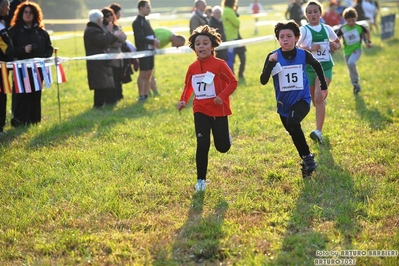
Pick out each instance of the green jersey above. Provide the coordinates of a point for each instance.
(352, 37)
(163, 35)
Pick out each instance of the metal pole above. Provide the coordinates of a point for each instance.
(58, 84)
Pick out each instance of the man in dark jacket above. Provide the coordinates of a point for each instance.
(99, 72)
(145, 40)
(6, 54)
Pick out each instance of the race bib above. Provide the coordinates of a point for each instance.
(291, 78)
(323, 53)
(150, 46)
(351, 37)
(203, 87)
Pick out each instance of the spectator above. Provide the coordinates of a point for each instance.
(145, 40)
(119, 46)
(208, 13)
(332, 17)
(231, 25)
(216, 23)
(30, 40)
(370, 12)
(359, 10)
(99, 72)
(198, 17)
(165, 36)
(241, 53)
(13, 7)
(254, 8)
(6, 55)
(295, 12)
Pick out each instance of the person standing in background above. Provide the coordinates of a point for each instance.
(198, 17)
(231, 25)
(13, 7)
(118, 47)
(30, 40)
(255, 7)
(145, 40)
(99, 72)
(217, 23)
(6, 55)
(295, 12)
(165, 36)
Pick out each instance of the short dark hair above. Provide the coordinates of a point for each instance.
(115, 7)
(349, 12)
(290, 25)
(142, 3)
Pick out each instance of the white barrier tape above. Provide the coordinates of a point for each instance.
(141, 54)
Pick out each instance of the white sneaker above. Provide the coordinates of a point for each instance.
(200, 186)
(316, 136)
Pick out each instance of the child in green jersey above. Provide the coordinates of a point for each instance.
(353, 33)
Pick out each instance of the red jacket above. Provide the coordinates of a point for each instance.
(224, 83)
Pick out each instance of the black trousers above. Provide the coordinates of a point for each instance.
(292, 124)
(241, 52)
(3, 110)
(118, 75)
(104, 97)
(221, 137)
(27, 107)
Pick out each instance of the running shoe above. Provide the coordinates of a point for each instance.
(308, 165)
(200, 186)
(316, 136)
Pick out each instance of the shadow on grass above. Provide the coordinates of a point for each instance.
(325, 217)
(13, 134)
(372, 116)
(98, 120)
(198, 239)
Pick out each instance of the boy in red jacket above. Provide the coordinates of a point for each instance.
(212, 81)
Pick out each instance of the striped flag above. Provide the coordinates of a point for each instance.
(45, 75)
(19, 88)
(61, 74)
(50, 74)
(4, 75)
(36, 78)
(25, 78)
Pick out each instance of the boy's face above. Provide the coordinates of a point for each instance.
(287, 39)
(203, 46)
(350, 22)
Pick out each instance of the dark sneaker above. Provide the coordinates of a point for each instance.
(15, 122)
(308, 165)
(356, 89)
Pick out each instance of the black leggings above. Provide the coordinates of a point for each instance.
(221, 138)
(292, 124)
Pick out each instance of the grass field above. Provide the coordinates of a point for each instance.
(116, 186)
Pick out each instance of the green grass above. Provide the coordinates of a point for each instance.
(116, 186)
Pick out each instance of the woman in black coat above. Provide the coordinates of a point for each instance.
(30, 40)
(99, 72)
